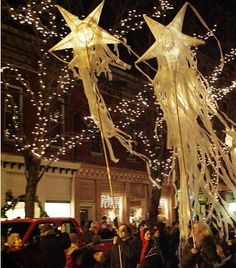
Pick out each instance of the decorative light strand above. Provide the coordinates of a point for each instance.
(131, 110)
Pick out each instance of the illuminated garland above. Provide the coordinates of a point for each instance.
(131, 110)
(134, 20)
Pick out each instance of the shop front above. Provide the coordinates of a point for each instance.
(130, 189)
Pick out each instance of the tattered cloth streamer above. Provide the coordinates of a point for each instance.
(92, 57)
(183, 94)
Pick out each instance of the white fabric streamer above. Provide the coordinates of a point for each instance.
(183, 94)
(91, 58)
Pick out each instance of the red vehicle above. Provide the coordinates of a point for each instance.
(30, 228)
(29, 232)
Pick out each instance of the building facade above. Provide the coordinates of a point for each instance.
(82, 190)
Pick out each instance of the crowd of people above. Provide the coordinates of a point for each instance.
(132, 246)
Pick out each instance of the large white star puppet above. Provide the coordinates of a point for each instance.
(92, 56)
(87, 39)
(168, 39)
(183, 95)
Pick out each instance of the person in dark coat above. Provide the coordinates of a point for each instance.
(92, 234)
(53, 245)
(89, 257)
(123, 250)
(106, 231)
(203, 251)
(173, 246)
(150, 254)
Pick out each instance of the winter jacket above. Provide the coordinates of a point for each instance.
(205, 258)
(153, 256)
(52, 247)
(129, 254)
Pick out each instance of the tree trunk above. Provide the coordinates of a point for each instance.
(32, 172)
(30, 194)
(153, 210)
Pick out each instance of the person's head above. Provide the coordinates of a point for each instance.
(201, 228)
(63, 228)
(156, 231)
(99, 256)
(123, 231)
(94, 227)
(104, 224)
(104, 219)
(147, 233)
(74, 238)
(14, 240)
(46, 229)
(200, 231)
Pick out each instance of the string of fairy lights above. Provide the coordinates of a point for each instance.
(134, 20)
(219, 93)
(131, 109)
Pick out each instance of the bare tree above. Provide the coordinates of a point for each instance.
(45, 84)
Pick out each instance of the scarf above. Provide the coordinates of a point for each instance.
(145, 244)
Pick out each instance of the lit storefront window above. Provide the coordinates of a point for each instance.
(135, 215)
(58, 209)
(163, 210)
(107, 207)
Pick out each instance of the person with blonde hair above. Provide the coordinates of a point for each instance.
(13, 256)
(70, 260)
(14, 242)
(200, 249)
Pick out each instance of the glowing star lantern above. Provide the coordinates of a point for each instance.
(91, 57)
(182, 93)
